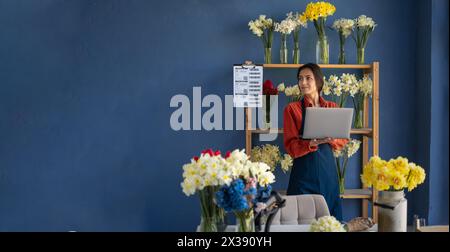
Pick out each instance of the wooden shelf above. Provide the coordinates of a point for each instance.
(365, 131)
(363, 194)
(266, 131)
(357, 194)
(362, 131)
(332, 66)
(348, 194)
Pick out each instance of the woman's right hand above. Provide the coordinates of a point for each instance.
(316, 142)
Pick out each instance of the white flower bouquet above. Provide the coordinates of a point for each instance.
(342, 157)
(364, 27)
(263, 28)
(327, 224)
(345, 28)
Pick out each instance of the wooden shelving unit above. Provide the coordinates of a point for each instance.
(367, 132)
(329, 66)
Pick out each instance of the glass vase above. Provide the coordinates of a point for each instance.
(358, 124)
(322, 50)
(358, 103)
(209, 210)
(245, 221)
(296, 51)
(341, 185)
(360, 55)
(342, 49)
(283, 50)
(220, 219)
(267, 55)
(296, 55)
(208, 224)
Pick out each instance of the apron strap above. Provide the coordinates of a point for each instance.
(303, 117)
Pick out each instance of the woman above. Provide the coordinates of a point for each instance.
(314, 170)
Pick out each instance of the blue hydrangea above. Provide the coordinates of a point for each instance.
(234, 197)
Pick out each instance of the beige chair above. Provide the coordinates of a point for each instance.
(301, 210)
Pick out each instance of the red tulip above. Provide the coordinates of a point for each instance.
(268, 88)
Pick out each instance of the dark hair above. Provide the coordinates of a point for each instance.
(318, 75)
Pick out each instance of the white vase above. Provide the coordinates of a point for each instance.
(392, 220)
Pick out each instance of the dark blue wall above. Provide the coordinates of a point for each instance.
(438, 212)
(85, 139)
(419, 197)
(431, 199)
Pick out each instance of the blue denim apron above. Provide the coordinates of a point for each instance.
(315, 173)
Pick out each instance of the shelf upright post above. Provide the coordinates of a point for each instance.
(248, 132)
(375, 124)
(365, 145)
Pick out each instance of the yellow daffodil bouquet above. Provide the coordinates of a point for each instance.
(393, 175)
(317, 13)
(271, 155)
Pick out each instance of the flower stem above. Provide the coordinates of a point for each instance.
(341, 48)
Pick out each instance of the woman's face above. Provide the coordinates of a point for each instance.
(306, 82)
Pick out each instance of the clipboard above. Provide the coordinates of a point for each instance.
(247, 85)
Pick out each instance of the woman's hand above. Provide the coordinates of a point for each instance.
(316, 142)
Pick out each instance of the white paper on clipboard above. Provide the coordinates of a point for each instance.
(247, 86)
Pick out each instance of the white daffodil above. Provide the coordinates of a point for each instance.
(364, 21)
(344, 26)
(281, 87)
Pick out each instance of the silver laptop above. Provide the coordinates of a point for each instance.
(327, 122)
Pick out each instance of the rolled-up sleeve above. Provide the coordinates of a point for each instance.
(338, 144)
(292, 121)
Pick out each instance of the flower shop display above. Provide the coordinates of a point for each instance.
(364, 27)
(268, 90)
(345, 28)
(317, 13)
(365, 88)
(300, 21)
(271, 155)
(249, 185)
(204, 175)
(391, 178)
(327, 224)
(263, 28)
(285, 28)
(292, 92)
(342, 157)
